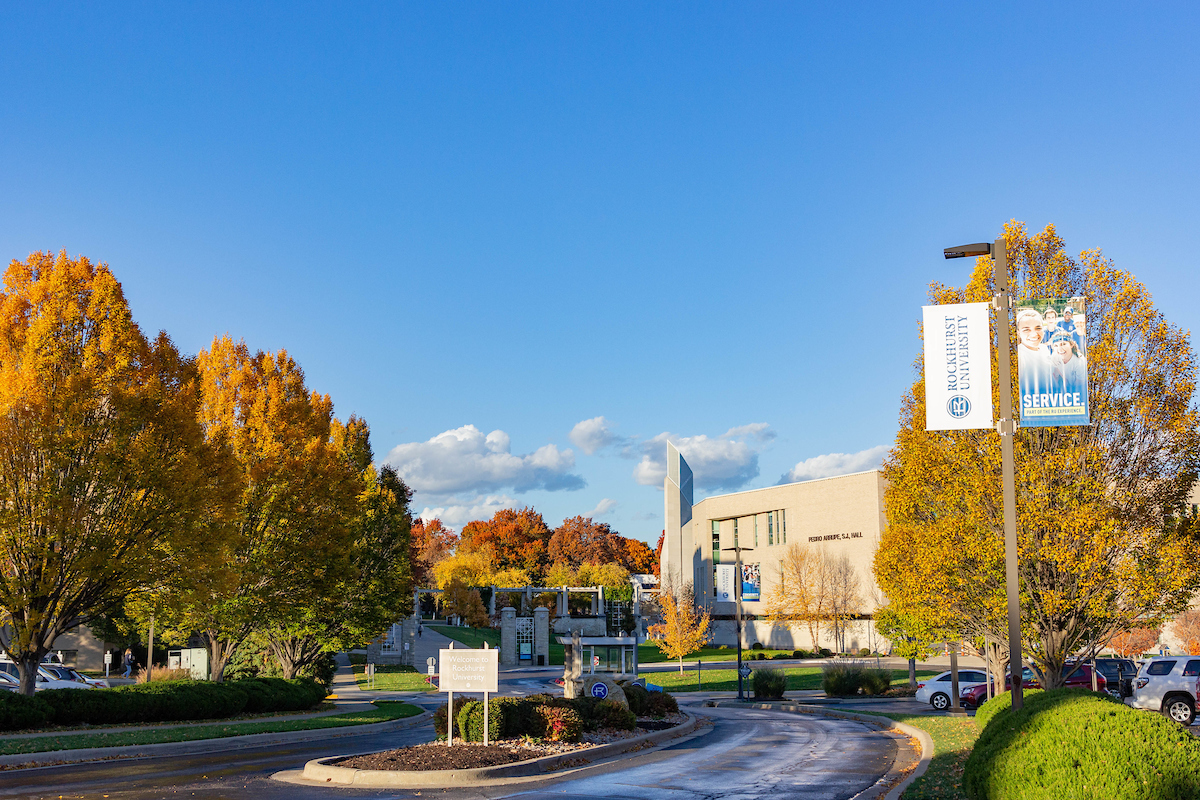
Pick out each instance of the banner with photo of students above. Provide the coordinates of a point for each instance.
(1052, 362)
(751, 581)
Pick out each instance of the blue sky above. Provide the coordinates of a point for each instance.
(484, 227)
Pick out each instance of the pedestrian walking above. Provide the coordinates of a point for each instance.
(420, 630)
(127, 661)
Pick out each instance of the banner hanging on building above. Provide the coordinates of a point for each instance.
(1052, 362)
(724, 587)
(751, 581)
(958, 367)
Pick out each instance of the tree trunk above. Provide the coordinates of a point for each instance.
(912, 672)
(219, 652)
(27, 669)
(294, 653)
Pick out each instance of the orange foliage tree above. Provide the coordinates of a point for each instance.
(1095, 554)
(1133, 643)
(107, 485)
(510, 540)
(1186, 628)
(431, 543)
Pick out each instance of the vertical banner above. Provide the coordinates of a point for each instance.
(958, 367)
(1052, 362)
(751, 581)
(724, 590)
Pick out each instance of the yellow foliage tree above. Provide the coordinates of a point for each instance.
(471, 569)
(107, 485)
(1095, 554)
(298, 499)
(682, 630)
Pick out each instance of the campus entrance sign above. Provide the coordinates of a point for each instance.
(958, 367)
(468, 670)
(1052, 362)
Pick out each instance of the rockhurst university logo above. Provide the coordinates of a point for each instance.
(958, 406)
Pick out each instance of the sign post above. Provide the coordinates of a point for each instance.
(107, 661)
(467, 671)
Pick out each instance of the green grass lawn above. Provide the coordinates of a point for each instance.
(953, 739)
(391, 679)
(725, 680)
(649, 654)
(384, 712)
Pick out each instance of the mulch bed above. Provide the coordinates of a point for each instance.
(463, 755)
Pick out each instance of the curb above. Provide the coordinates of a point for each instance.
(897, 779)
(55, 758)
(318, 772)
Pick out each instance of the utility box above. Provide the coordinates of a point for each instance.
(193, 659)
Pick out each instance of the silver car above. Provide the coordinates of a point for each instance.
(1168, 685)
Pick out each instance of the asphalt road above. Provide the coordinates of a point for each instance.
(747, 754)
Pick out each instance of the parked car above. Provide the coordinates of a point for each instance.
(45, 679)
(1168, 685)
(1120, 674)
(975, 696)
(937, 690)
(8, 683)
(68, 674)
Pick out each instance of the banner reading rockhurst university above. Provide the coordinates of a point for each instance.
(958, 367)
(1052, 362)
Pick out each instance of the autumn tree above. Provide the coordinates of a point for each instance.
(683, 629)
(372, 587)
(510, 540)
(465, 603)
(637, 557)
(294, 535)
(802, 590)
(1186, 628)
(1095, 555)
(582, 540)
(911, 636)
(658, 549)
(431, 543)
(107, 485)
(468, 568)
(845, 596)
(1134, 642)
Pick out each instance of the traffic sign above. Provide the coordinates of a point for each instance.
(744, 671)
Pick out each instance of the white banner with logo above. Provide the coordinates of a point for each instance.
(724, 585)
(958, 367)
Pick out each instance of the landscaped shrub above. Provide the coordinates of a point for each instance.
(1077, 743)
(558, 724)
(845, 680)
(439, 716)
(18, 712)
(510, 711)
(277, 694)
(768, 683)
(470, 721)
(148, 702)
(612, 714)
(875, 681)
(638, 697)
(659, 704)
(826, 652)
(1001, 702)
(800, 654)
(756, 646)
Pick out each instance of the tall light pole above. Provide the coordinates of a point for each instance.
(1007, 427)
(737, 605)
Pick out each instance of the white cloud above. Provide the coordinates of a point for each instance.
(457, 512)
(603, 508)
(831, 464)
(464, 460)
(728, 461)
(593, 434)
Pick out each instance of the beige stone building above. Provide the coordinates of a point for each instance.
(834, 517)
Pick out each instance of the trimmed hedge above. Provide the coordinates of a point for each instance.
(1078, 743)
(543, 716)
(18, 712)
(638, 697)
(660, 704)
(998, 703)
(558, 724)
(470, 721)
(161, 701)
(611, 714)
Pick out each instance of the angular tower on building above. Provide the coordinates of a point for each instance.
(678, 549)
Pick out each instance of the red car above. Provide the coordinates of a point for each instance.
(1082, 679)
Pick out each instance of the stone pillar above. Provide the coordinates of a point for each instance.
(541, 636)
(417, 603)
(595, 602)
(508, 637)
(573, 667)
(492, 603)
(600, 599)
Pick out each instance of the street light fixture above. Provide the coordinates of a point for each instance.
(737, 605)
(1007, 427)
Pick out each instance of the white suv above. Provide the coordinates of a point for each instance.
(1169, 685)
(936, 690)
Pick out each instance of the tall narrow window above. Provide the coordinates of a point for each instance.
(756, 530)
(783, 526)
(770, 528)
(716, 541)
(735, 544)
